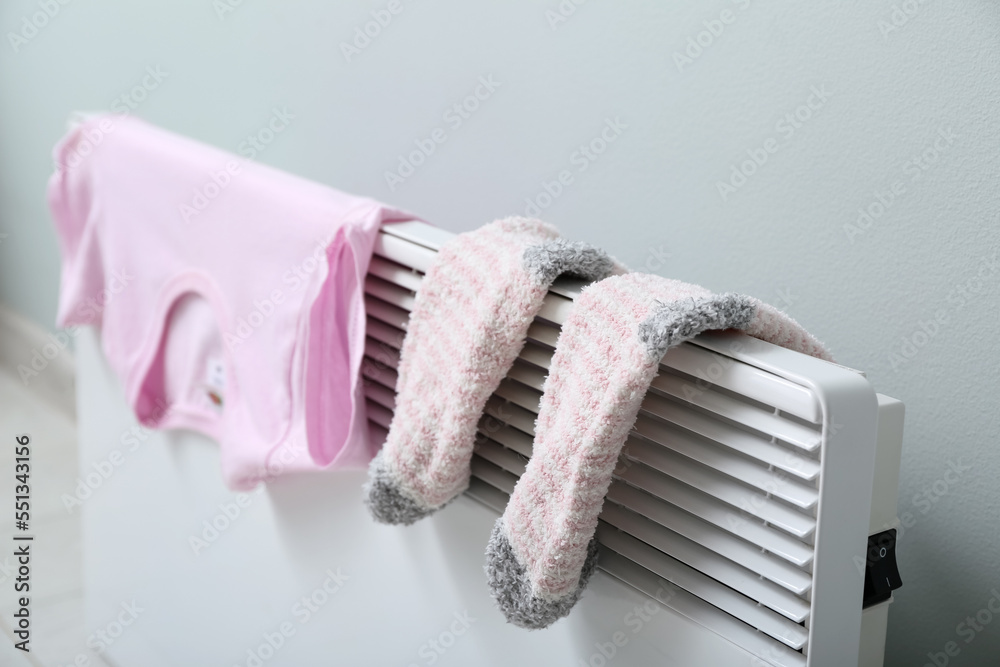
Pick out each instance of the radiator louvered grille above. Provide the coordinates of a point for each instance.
(717, 487)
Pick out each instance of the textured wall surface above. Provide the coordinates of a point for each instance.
(630, 127)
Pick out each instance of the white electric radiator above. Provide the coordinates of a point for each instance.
(734, 533)
(746, 483)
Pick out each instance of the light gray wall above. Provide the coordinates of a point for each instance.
(652, 198)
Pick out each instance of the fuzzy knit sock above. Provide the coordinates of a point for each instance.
(468, 324)
(543, 550)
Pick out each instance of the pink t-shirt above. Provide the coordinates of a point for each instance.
(229, 295)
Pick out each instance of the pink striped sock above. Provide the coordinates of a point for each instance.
(542, 550)
(468, 324)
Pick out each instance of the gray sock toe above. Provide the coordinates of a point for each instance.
(386, 502)
(508, 582)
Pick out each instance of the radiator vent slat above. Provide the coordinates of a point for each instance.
(381, 395)
(384, 334)
(509, 437)
(379, 373)
(712, 510)
(404, 252)
(738, 411)
(519, 394)
(535, 355)
(388, 313)
(724, 488)
(543, 334)
(725, 544)
(791, 461)
(754, 619)
(378, 414)
(381, 353)
(722, 460)
(721, 569)
(493, 474)
(377, 432)
(394, 273)
(500, 456)
(521, 419)
(390, 293)
(711, 368)
(527, 375)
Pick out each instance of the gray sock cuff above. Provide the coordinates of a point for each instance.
(673, 323)
(547, 261)
(511, 588)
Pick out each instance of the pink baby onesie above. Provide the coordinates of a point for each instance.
(229, 295)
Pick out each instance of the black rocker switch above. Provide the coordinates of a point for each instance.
(881, 573)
